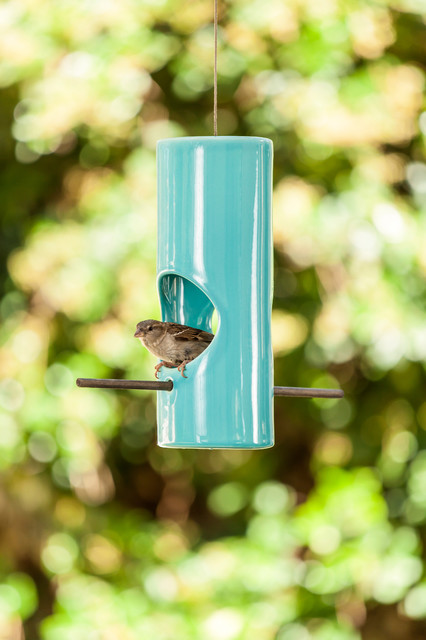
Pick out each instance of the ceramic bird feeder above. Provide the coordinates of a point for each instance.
(215, 253)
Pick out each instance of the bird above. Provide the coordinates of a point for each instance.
(175, 344)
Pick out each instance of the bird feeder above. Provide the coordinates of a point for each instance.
(215, 254)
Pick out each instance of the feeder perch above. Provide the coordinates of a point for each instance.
(215, 254)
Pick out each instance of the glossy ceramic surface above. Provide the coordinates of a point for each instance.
(215, 251)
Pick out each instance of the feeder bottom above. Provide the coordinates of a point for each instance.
(215, 447)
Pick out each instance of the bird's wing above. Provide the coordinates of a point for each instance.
(183, 332)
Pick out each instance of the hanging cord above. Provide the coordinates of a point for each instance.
(215, 71)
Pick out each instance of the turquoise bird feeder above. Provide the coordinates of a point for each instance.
(215, 253)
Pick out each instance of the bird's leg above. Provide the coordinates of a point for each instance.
(162, 364)
(181, 368)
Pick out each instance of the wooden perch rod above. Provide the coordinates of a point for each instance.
(153, 385)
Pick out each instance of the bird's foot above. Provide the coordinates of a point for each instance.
(163, 363)
(181, 368)
(157, 368)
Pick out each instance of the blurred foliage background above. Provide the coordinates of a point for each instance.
(102, 534)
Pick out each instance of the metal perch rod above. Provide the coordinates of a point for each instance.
(110, 383)
(307, 392)
(151, 385)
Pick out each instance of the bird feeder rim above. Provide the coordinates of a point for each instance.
(214, 140)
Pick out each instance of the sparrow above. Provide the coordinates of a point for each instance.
(175, 344)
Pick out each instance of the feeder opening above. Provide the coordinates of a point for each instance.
(184, 302)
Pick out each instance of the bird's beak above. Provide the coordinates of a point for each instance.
(138, 333)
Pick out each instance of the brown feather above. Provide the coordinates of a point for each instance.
(189, 333)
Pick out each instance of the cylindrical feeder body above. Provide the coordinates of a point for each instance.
(215, 253)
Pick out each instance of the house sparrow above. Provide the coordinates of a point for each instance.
(175, 344)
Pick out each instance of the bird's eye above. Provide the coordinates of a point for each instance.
(150, 329)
